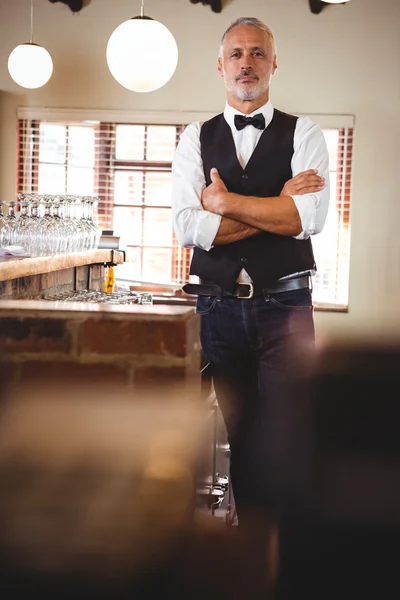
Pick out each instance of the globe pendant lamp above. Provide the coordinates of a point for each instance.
(30, 65)
(142, 54)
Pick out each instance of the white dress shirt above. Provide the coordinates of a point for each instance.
(195, 226)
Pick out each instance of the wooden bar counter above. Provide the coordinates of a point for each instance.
(129, 346)
(32, 278)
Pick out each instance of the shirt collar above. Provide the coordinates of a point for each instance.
(267, 110)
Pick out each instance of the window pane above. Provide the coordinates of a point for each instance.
(80, 181)
(132, 268)
(81, 141)
(157, 227)
(326, 247)
(332, 142)
(52, 143)
(148, 264)
(128, 187)
(158, 189)
(128, 225)
(161, 142)
(51, 179)
(157, 264)
(129, 144)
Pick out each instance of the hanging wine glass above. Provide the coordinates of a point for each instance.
(85, 227)
(33, 232)
(10, 222)
(60, 231)
(49, 229)
(69, 225)
(21, 233)
(73, 222)
(3, 229)
(95, 229)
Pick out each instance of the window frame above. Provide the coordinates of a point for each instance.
(107, 162)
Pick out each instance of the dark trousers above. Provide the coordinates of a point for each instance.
(260, 351)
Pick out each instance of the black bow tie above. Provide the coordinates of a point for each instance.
(257, 121)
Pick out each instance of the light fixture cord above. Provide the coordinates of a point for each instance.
(142, 9)
(31, 38)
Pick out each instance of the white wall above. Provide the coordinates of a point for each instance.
(346, 60)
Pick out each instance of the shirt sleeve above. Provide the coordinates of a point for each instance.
(311, 152)
(193, 225)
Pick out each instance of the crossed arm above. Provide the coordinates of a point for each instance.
(207, 216)
(245, 216)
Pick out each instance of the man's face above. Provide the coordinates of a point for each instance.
(247, 63)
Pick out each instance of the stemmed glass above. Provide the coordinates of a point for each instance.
(71, 223)
(3, 229)
(94, 228)
(95, 200)
(49, 224)
(79, 229)
(49, 241)
(21, 232)
(68, 223)
(85, 230)
(10, 222)
(34, 225)
(60, 230)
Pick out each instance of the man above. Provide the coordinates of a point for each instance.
(250, 187)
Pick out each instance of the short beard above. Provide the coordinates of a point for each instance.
(243, 94)
(246, 94)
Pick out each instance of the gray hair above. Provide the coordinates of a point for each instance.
(253, 22)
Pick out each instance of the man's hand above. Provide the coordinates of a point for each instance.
(307, 182)
(214, 196)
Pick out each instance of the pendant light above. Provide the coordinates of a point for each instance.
(316, 6)
(142, 54)
(30, 65)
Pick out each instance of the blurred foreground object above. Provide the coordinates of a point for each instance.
(342, 534)
(97, 500)
(93, 482)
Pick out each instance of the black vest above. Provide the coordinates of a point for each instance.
(267, 256)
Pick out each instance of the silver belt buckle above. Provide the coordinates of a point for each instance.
(251, 292)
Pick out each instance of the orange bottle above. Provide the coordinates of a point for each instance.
(110, 281)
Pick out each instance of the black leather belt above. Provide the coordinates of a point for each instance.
(245, 291)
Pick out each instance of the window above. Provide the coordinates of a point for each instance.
(332, 245)
(127, 164)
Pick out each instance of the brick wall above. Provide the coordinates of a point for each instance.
(125, 347)
(107, 485)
